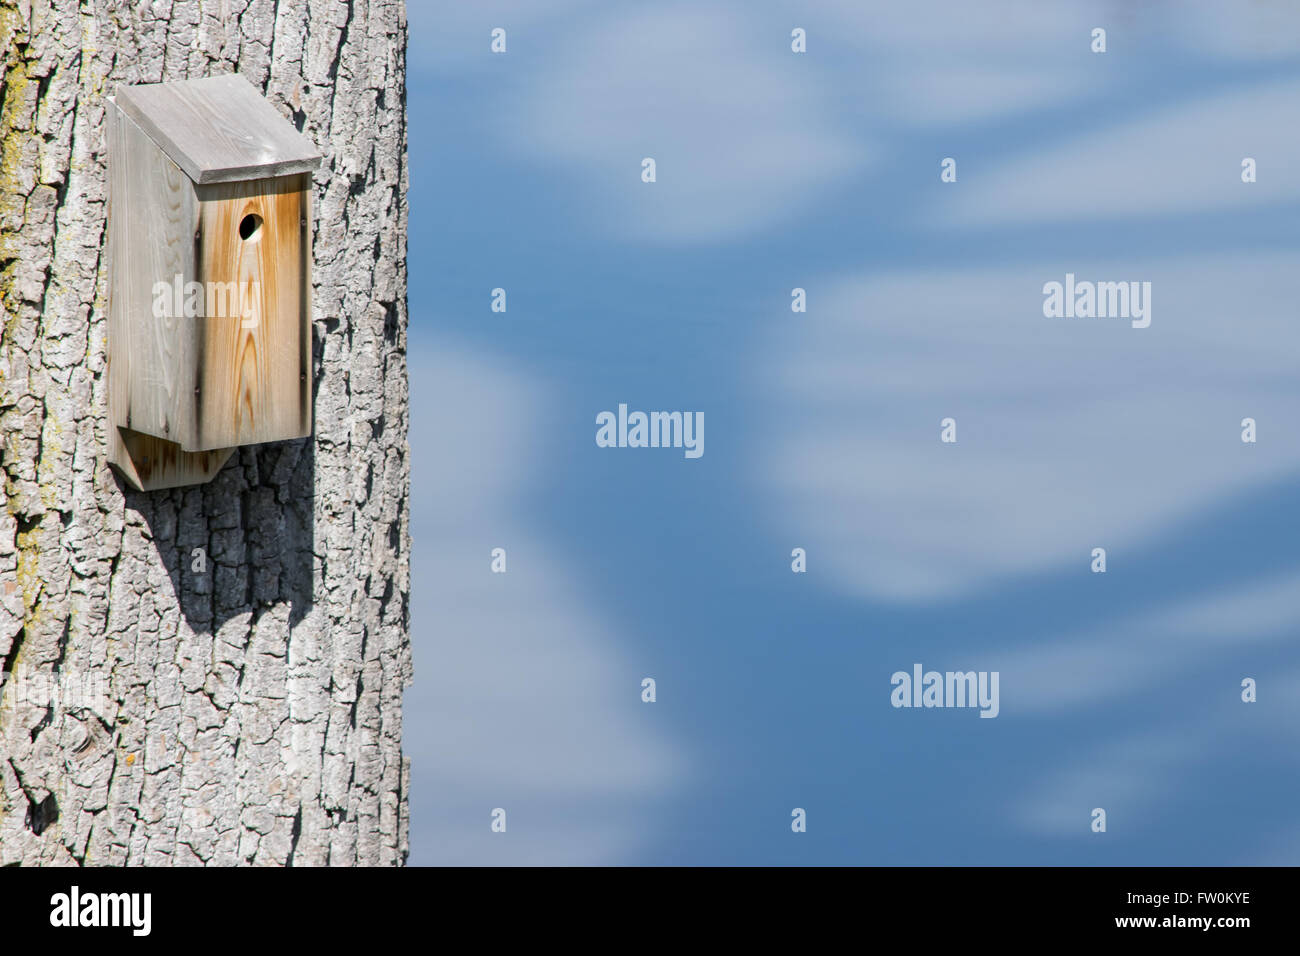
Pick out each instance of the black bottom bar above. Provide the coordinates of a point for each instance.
(338, 907)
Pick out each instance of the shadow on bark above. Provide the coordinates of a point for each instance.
(244, 542)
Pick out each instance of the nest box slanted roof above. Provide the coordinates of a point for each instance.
(218, 129)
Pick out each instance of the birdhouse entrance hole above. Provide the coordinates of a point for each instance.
(250, 227)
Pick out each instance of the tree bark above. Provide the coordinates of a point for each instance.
(211, 674)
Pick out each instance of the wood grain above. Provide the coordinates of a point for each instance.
(153, 212)
(255, 367)
(150, 463)
(219, 129)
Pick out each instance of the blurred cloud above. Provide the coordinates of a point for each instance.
(1135, 777)
(1162, 163)
(942, 62)
(524, 700)
(1144, 651)
(454, 39)
(1278, 849)
(746, 135)
(1072, 433)
(1252, 30)
(740, 138)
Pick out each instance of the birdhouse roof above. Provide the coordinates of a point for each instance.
(218, 129)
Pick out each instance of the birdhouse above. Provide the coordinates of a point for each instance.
(209, 267)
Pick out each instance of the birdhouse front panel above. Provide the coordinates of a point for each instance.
(252, 256)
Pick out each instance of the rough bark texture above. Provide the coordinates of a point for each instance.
(250, 711)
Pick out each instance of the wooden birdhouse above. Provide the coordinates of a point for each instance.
(209, 268)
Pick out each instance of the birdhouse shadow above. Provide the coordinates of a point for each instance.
(243, 543)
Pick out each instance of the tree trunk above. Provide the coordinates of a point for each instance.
(210, 674)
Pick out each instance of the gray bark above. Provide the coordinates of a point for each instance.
(249, 713)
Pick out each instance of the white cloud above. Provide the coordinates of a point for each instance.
(1133, 777)
(945, 62)
(740, 139)
(1135, 654)
(1182, 159)
(454, 39)
(1256, 31)
(1072, 434)
(522, 696)
(747, 135)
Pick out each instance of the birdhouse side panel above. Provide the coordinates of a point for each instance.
(254, 258)
(153, 216)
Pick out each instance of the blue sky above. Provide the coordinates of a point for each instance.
(821, 171)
